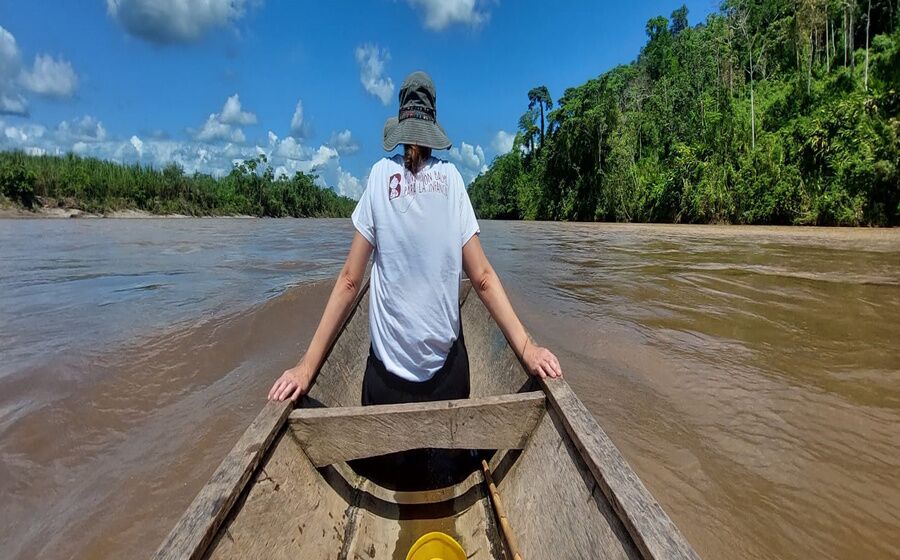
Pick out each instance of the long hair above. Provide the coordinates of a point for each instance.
(414, 157)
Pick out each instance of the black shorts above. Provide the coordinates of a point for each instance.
(450, 382)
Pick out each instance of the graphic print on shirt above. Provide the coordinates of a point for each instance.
(394, 186)
(425, 182)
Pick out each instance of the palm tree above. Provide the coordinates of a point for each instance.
(540, 96)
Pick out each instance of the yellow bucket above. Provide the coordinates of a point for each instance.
(436, 546)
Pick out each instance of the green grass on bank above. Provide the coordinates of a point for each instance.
(98, 186)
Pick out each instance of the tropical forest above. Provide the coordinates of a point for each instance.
(768, 112)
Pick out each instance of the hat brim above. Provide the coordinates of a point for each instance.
(415, 131)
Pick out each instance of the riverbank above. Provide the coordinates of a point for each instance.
(71, 186)
(55, 212)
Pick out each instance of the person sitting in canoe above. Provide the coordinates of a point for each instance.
(416, 215)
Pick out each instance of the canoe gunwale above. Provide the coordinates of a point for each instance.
(199, 524)
(647, 524)
(197, 528)
(655, 534)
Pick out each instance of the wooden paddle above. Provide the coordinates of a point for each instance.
(511, 542)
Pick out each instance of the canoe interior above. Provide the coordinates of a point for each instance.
(292, 509)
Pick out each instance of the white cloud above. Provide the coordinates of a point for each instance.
(290, 148)
(322, 156)
(85, 129)
(348, 185)
(232, 113)
(138, 145)
(51, 77)
(13, 104)
(10, 61)
(343, 142)
(224, 126)
(174, 21)
(299, 127)
(441, 13)
(469, 160)
(24, 133)
(503, 142)
(371, 60)
(214, 130)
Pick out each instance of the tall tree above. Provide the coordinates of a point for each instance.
(528, 128)
(743, 22)
(868, 26)
(540, 96)
(679, 20)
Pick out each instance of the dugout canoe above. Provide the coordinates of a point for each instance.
(292, 486)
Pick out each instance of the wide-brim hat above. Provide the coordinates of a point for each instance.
(416, 123)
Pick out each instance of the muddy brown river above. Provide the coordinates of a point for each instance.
(750, 375)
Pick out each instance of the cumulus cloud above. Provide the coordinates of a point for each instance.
(51, 77)
(85, 129)
(299, 127)
(348, 185)
(469, 160)
(138, 146)
(441, 13)
(24, 135)
(503, 142)
(232, 113)
(174, 21)
(343, 142)
(214, 130)
(225, 125)
(372, 60)
(10, 59)
(13, 104)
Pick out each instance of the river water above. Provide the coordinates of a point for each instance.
(750, 375)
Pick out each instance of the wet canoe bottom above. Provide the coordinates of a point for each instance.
(292, 509)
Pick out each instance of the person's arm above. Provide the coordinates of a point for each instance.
(539, 361)
(295, 382)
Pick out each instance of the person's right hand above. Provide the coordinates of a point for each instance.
(293, 384)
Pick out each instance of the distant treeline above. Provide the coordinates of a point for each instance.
(770, 112)
(100, 186)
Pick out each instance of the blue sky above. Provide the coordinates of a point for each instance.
(205, 82)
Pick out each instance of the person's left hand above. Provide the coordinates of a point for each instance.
(293, 383)
(541, 362)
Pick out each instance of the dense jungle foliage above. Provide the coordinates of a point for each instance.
(770, 112)
(101, 186)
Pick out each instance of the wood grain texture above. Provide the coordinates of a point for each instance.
(339, 381)
(289, 511)
(385, 529)
(331, 435)
(197, 527)
(553, 502)
(494, 368)
(653, 531)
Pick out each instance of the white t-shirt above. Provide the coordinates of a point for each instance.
(418, 225)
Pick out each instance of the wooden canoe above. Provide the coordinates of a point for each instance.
(286, 490)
